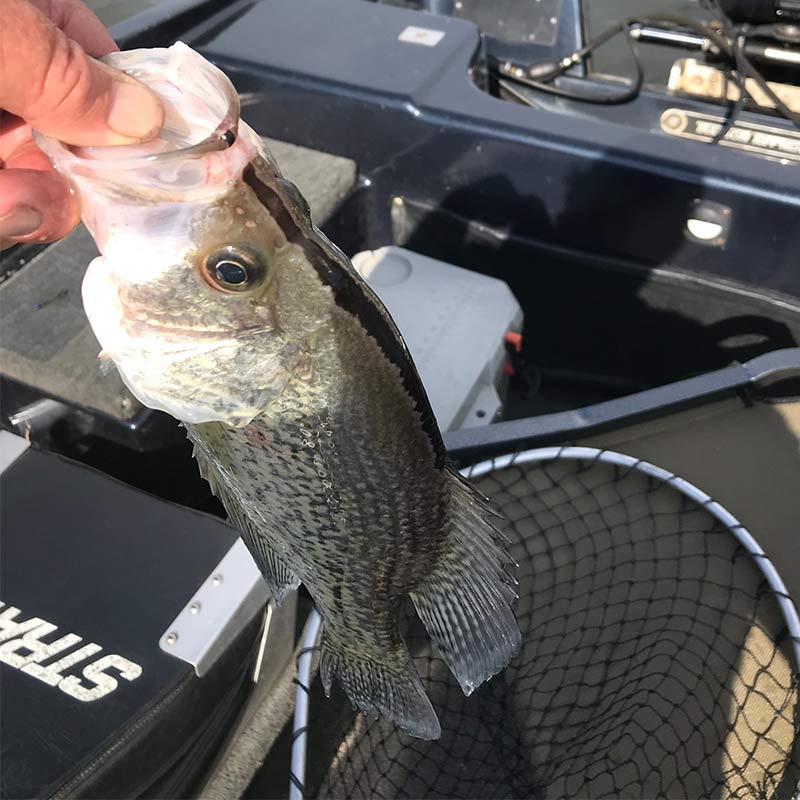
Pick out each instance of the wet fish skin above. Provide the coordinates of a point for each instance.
(338, 484)
(308, 420)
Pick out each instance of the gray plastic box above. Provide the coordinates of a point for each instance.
(453, 321)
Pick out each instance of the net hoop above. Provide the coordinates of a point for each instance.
(742, 535)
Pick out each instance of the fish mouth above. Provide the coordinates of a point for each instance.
(215, 89)
(158, 169)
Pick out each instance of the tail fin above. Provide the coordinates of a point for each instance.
(465, 604)
(384, 683)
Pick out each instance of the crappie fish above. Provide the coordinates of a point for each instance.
(221, 304)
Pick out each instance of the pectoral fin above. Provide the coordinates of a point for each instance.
(279, 577)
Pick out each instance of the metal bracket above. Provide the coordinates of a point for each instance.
(226, 602)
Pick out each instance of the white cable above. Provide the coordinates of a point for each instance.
(300, 735)
(262, 646)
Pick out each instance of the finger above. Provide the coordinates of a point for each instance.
(14, 133)
(34, 190)
(35, 203)
(48, 80)
(27, 156)
(79, 24)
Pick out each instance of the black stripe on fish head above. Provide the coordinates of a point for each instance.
(351, 293)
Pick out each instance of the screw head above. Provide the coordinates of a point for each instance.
(172, 637)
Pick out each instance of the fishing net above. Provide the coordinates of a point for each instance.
(659, 655)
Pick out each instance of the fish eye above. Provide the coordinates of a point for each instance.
(234, 269)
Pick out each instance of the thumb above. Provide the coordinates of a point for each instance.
(49, 81)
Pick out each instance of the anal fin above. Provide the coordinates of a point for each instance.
(384, 683)
(466, 602)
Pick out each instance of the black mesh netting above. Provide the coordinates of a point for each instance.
(655, 660)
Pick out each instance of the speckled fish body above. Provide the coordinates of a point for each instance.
(220, 303)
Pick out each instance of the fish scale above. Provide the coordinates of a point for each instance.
(307, 415)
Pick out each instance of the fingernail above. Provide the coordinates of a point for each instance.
(20, 221)
(134, 112)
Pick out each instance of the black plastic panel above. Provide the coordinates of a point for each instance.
(335, 76)
(469, 445)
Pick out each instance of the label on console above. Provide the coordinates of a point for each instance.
(775, 143)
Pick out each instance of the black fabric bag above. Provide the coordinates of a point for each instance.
(105, 712)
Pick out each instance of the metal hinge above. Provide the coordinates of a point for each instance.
(227, 601)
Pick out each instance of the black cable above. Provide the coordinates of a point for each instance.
(300, 732)
(738, 36)
(733, 48)
(730, 46)
(540, 76)
(735, 109)
(305, 688)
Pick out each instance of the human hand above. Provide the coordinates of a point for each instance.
(49, 83)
